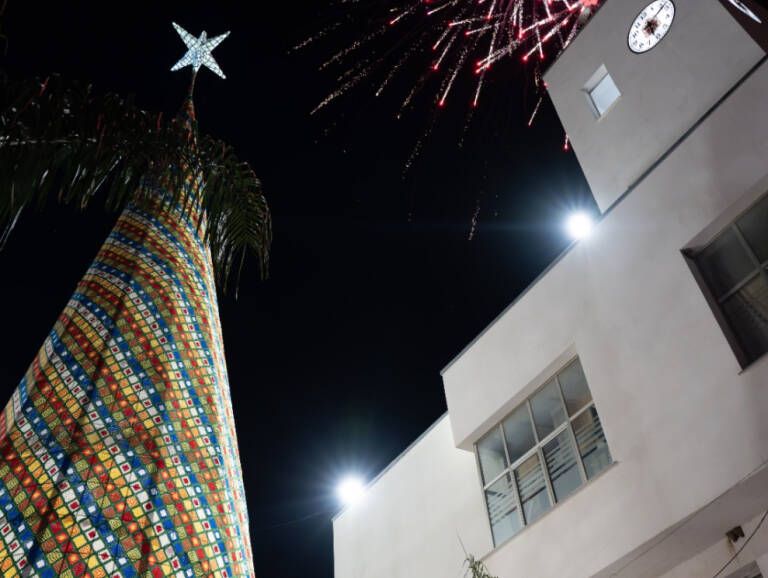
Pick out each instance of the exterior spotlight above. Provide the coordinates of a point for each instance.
(579, 226)
(350, 491)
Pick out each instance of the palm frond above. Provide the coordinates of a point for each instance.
(61, 141)
(475, 568)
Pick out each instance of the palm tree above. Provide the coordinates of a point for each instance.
(118, 453)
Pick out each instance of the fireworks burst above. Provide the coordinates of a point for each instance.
(451, 42)
(455, 39)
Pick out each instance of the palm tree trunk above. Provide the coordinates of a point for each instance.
(118, 452)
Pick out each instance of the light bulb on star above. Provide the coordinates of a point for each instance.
(199, 51)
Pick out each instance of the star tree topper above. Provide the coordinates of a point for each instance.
(199, 51)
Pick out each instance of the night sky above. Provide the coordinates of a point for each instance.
(374, 284)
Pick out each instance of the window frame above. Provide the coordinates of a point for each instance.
(692, 256)
(597, 78)
(538, 449)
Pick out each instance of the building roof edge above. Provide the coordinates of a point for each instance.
(395, 461)
(615, 204)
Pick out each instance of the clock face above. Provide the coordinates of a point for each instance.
(651, 25)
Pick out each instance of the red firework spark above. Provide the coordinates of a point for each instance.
(458, 36)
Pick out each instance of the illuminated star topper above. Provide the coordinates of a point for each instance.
(199, 51)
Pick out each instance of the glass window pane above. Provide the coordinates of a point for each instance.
(575, 389)
(754, 227)
(591, 441)
(490, 450)
(725, 264)
(533, 489)
(562, 465)
(547, 407)
(519, 433)
(502, 510)
(747, 313)
(604, 94)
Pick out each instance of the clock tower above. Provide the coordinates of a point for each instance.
(643, 74)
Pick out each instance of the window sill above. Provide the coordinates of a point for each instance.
(552, 509)
(763, 359)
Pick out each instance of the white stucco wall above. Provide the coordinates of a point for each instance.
(687, 427)
(409, 523)
(682, 420)
(663, 91)
(744, 555)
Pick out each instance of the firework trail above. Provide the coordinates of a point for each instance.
(448, 43)
(455, 39)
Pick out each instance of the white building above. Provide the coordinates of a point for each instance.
(657, 323)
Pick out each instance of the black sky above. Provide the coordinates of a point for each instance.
(374, 286)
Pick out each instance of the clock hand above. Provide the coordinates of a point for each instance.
(652, 23)
(666, 2)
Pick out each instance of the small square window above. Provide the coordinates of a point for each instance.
(519, 433)
(547, 408)
(493, 460)
(562, 465)
(601, 91)
(532, 485)
(502, 509)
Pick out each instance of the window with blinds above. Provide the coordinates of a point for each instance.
(733, 272)
(545, 450)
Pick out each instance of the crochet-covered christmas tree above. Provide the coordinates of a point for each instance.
(118, 452)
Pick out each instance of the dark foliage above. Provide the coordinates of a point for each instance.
(476, 569)
(62, 141)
